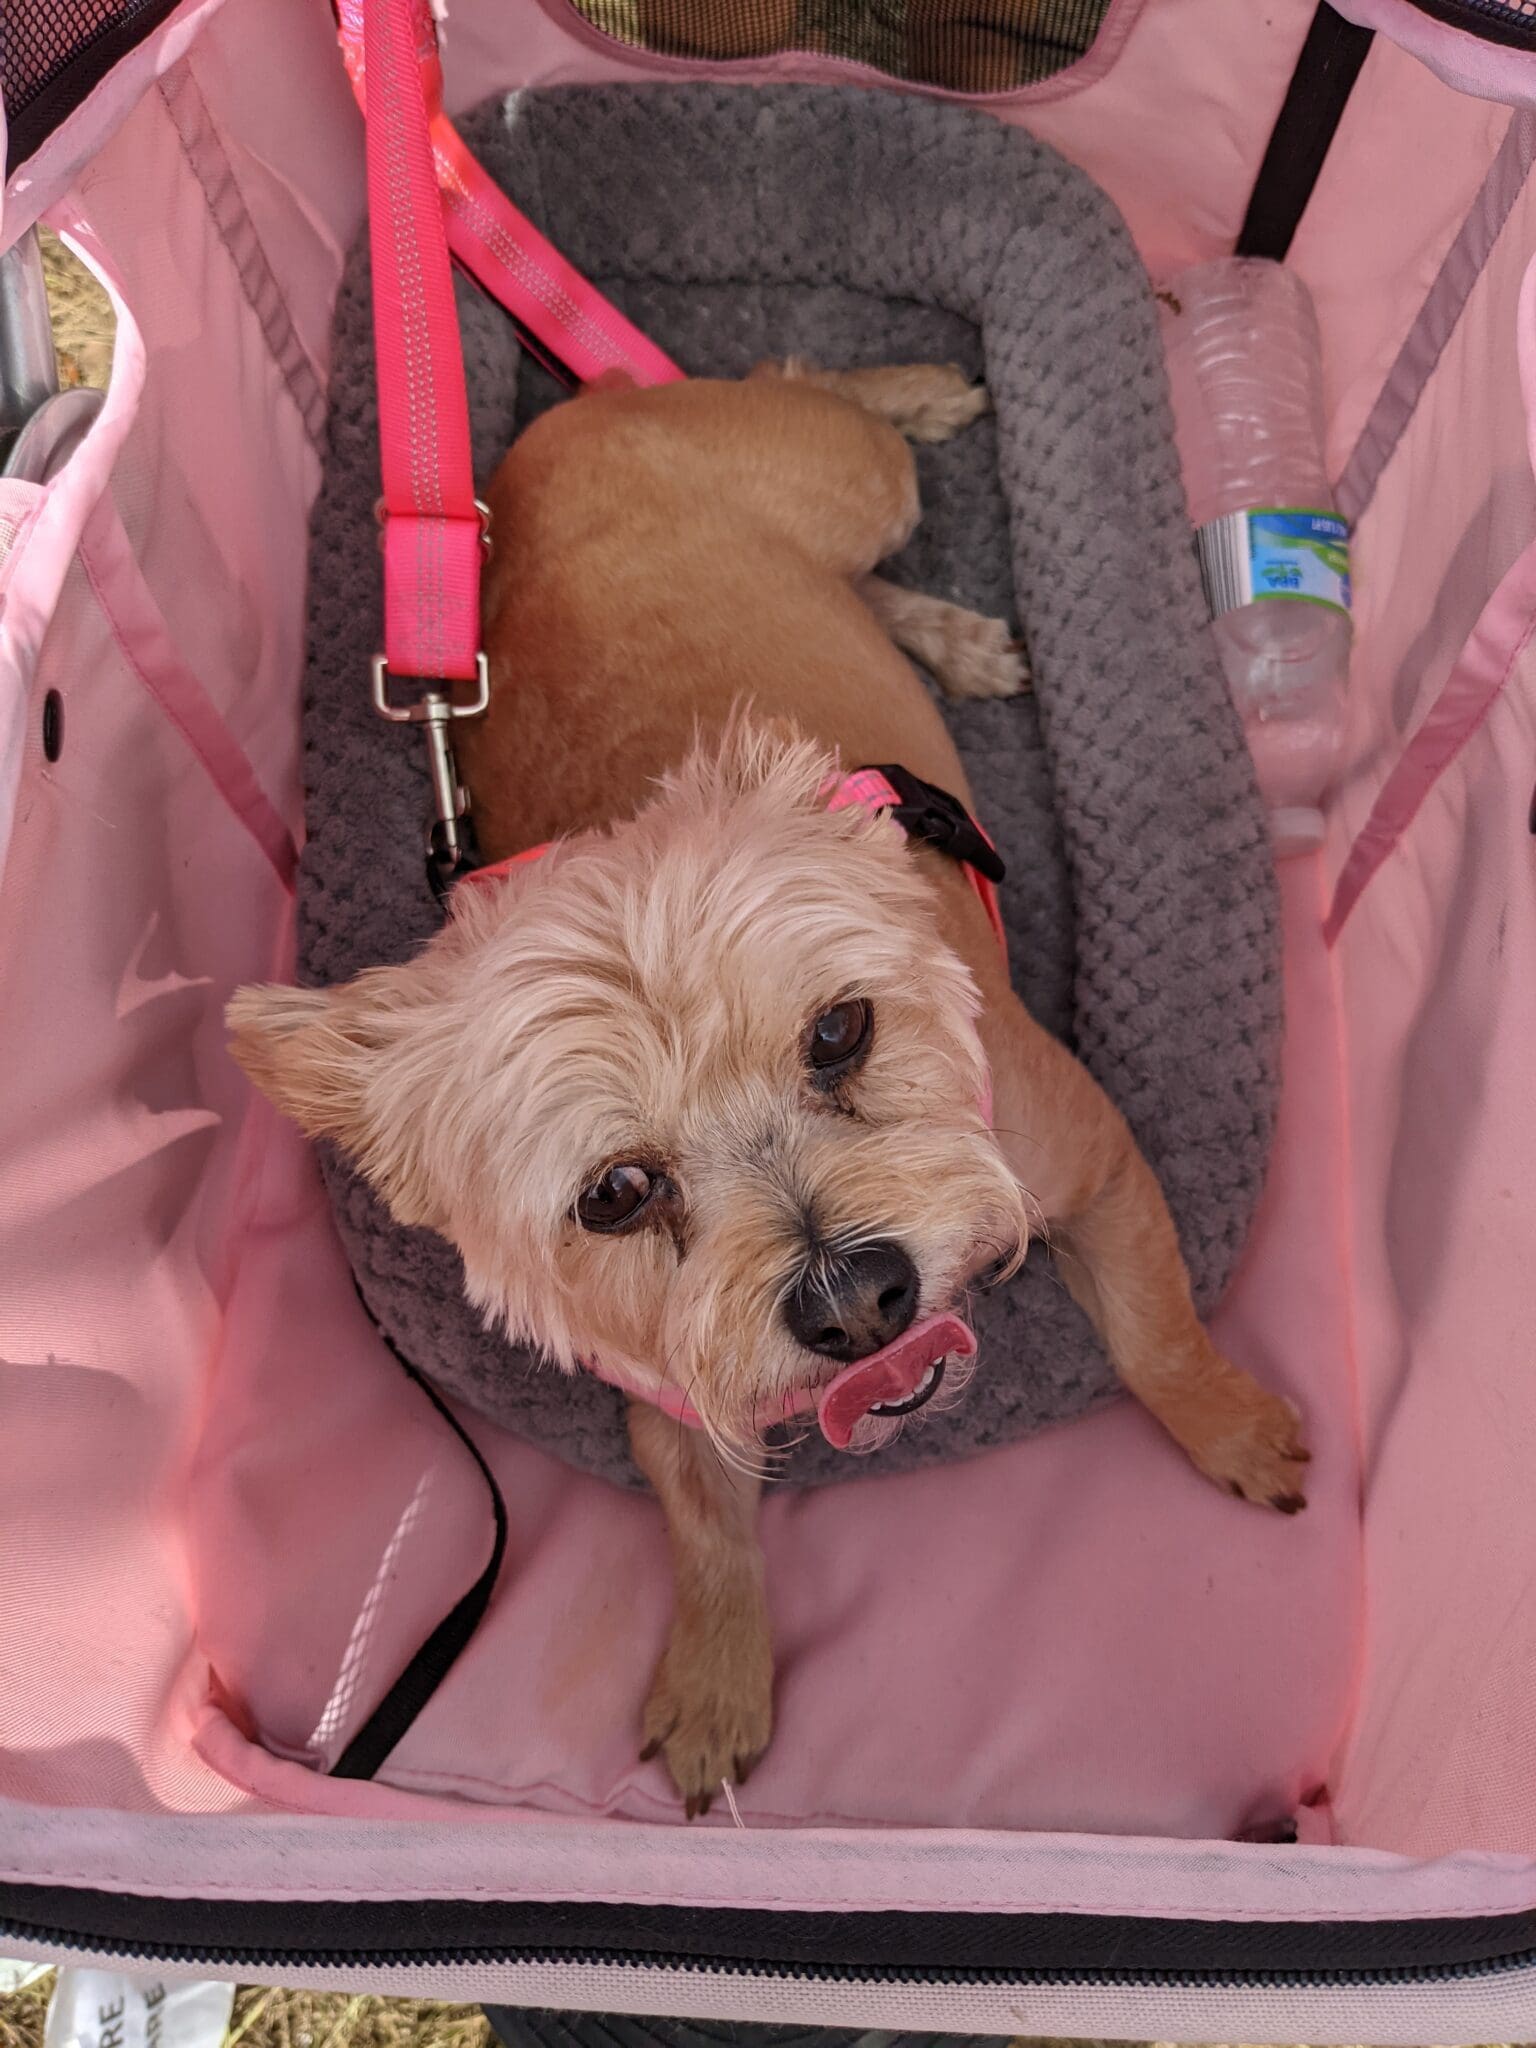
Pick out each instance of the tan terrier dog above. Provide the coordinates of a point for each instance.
(701, 1095)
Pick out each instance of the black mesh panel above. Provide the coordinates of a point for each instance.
(964, 45)
(53, 52)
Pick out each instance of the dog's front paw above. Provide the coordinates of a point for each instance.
(710, 1712)
(1250, 1443)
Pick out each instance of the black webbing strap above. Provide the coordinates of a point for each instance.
(1314, 102)
(435, 1659)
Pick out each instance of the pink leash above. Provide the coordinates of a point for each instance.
(427, 196)
(500, 247)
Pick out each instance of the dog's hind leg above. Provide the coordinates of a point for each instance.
(923, 401)
(969, 656)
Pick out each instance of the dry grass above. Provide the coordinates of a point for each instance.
(22, 2013)
(317, 2019)
(292, 2019)
(83, 327)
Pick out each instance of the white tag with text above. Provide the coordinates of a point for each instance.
(106, 2009)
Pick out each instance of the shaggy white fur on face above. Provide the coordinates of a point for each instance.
(643, 995)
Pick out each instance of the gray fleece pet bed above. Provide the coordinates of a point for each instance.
(734, 224)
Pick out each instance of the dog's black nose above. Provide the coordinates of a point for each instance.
(847, 1307)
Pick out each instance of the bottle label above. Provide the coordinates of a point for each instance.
(1249, 556)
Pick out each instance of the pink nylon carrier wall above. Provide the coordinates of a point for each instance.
(227, 1518)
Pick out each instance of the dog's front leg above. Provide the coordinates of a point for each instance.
(710, 1710)
(1120, 1258)
(1118, 1252)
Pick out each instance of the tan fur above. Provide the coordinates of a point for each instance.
(662, 559)
(969, 657)
(710, 1710)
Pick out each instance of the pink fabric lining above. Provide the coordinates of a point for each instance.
(133, 900)
(417, 1848)
(139, 629)
(1484, 669)
(18, 507)
(1436, 322)
(1480, 674)
(18, 504)
(209, 157)
(44, 541)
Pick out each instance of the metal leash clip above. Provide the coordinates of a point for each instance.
(451, 849)
(450, 833)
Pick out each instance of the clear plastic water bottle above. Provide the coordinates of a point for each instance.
(1244, 366)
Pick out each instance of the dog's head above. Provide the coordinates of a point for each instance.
(701, 1096)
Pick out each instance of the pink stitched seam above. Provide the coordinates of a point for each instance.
(1428, 755)
(212, 1888)
(227, 768)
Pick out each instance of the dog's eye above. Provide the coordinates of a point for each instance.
(837, 1038)
(617, 1199)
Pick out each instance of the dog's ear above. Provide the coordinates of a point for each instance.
(308, 1051)
(337, 1062)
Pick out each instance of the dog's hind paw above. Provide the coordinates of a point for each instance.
(970, 656)
(937, 401)
(981, 659)
(924, 401)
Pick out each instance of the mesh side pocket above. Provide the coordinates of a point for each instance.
(54, 52)
(973, 46)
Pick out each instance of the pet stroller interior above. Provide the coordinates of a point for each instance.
(1137, 1707)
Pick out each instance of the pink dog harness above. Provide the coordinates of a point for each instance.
(863, 1407)
(921, 809)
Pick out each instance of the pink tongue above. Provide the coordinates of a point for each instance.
(890, 1376)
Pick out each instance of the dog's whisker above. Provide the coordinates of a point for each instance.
(728, 1455)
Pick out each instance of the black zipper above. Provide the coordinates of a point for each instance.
(1492, 21)
(269, 1959)
(895, 1947)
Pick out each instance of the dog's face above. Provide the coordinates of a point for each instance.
(701, 1096)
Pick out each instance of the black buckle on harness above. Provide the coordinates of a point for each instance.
(941, 821)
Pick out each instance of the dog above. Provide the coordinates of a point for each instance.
(700, 1093)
